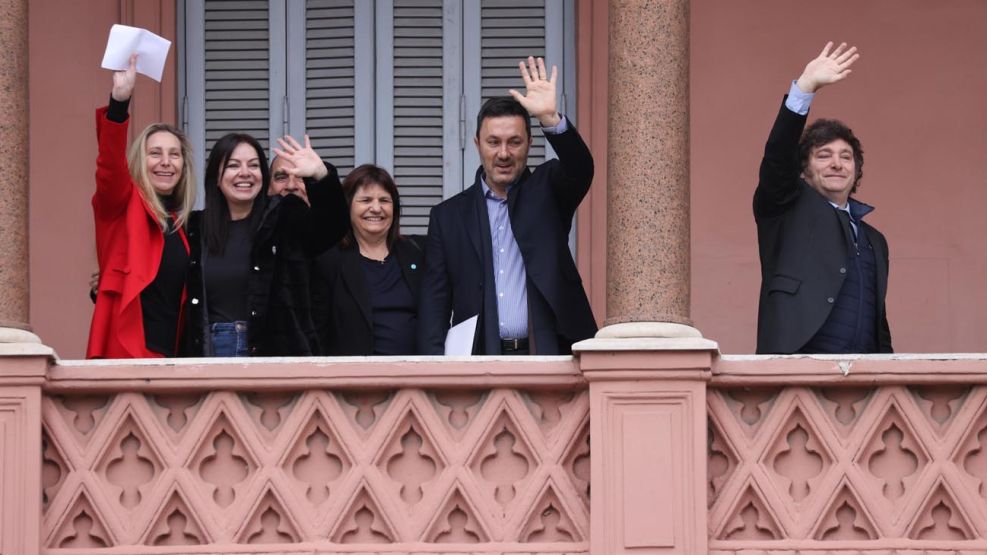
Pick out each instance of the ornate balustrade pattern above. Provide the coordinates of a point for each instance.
(691, 454)
(491, 458)
(890, 458)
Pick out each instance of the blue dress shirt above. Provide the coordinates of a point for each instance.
(510, 278)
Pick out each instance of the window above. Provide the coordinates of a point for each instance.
(393, 82)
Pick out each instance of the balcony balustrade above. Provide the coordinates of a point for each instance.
(795, 455)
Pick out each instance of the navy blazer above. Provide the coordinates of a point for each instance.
(803, 247)
(341, 301)
(459, 280)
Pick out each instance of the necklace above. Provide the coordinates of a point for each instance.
(377, 260)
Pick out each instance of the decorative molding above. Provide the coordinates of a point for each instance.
(648, 467)
(20, 471)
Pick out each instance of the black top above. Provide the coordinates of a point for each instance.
(118, 111)
(226, 275)
(161, 300)
(342, 308)
(392, 306)
(285, 239)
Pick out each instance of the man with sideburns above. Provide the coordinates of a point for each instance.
(824, 270)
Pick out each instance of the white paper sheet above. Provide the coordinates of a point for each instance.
(151, 50)
(459, 340)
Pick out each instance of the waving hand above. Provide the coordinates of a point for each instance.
(827, 68)
(539, 98)
(306, 161)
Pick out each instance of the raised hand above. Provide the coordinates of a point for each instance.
(828, 67)
(539, 98)
(124, 81)
(304, 159)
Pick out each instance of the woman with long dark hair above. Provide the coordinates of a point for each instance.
(251, 253)
(143, 198)
(365, 290)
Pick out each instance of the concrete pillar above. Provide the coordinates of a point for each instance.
(23, 368)
(648, 432)
(14, 297)
(648, 170)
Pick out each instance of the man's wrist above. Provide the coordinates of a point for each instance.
(805, 85)
(317, 173)
(550, 120)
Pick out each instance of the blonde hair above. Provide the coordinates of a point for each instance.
(185, 188)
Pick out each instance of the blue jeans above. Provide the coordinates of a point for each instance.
(229, 339)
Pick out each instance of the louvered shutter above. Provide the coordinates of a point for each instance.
(510, 31)
(418, 109)
(330, 80)
(237, 93)
(395, 82)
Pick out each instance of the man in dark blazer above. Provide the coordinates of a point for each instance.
(824, 271)
(500, 248)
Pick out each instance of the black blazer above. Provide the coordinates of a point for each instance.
(341, 301)
(459, 280)
(803, 247)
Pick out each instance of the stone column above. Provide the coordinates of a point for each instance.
(14, 288)
(647, 368)
(648, 170)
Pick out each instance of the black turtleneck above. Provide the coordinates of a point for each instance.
(161, 300)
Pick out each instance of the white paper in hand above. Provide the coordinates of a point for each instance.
(151, 50)
(459, 340)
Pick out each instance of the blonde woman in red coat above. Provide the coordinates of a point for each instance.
(143, 197)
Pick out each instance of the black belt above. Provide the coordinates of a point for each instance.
(519, 344)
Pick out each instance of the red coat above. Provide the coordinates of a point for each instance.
(129, 245)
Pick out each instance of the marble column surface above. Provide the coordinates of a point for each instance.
(648, 162)
(14, 297)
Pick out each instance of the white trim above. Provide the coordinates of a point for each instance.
(455, 122)
(554, 55)
(181, 56)
(295, 61)
(195, 83)
(277, 105)
(471, 86)
(364, 79)
(568, 68)
(385, 84)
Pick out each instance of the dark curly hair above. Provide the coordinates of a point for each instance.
(824, 131)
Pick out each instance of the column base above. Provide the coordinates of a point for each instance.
(646, 336)
(647, 329)
(17, 335)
